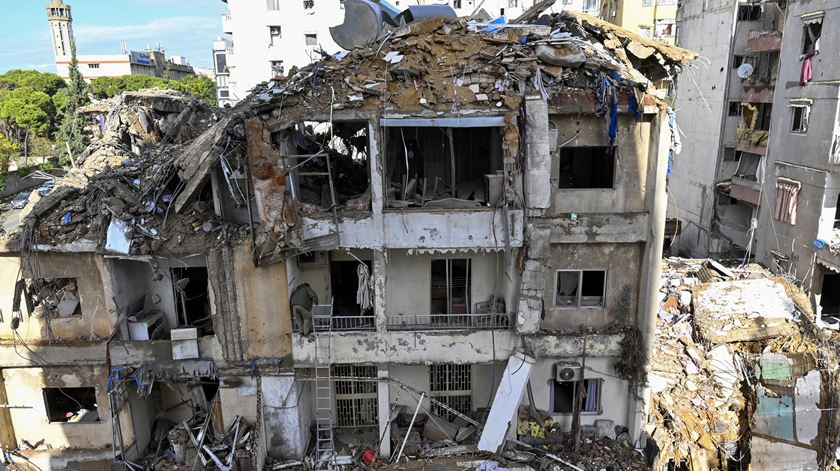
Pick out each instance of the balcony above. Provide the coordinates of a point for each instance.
(227, 24)
(764, 41)
(425, 322)
(752, 146)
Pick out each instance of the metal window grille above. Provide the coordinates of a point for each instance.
(355, 400)
(451, 385)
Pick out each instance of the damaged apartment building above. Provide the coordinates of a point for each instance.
(477, 208)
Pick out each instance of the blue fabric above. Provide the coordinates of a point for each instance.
(634, 106)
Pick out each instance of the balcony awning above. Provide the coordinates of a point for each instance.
(450, 251)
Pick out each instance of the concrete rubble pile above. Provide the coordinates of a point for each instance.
(119, 192)
(737, 352)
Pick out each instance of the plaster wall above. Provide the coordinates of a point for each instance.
(262, 301)
(700, 104)
(622, 263)
(33, 425)
(633, 146)
(87, 268)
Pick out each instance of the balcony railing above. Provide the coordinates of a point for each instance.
(343, 323)
(448, 321)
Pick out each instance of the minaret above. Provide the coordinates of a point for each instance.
(61, 28)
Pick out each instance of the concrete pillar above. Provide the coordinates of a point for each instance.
(383, 391)
(538, 155)
(7, 430)
(656, 204)
(380, 272)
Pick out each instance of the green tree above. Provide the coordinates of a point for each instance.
(73, 125)
(197, 85)
(40, 81)
(25, 112)
(7, 150)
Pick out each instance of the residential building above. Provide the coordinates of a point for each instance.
(724, 107)
(149, 62)
(338, 260)
(221, 71)
(649, 18)
(269, 37)
(798, 217)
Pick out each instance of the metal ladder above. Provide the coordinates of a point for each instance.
(324, 440)
(300, 159)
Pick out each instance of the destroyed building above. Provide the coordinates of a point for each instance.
(742, 377)
(479, 210)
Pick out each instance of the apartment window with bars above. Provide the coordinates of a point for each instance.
(355, 396)
(451, 385)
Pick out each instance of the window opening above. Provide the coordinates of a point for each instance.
(277, 68)
(356, 400)
(444, 167)
(53, 297)
(347, 145)
(221, 63)
(588, 392)
(192, 302)
(734, 108)
(799, 118)
(580, 288)
(731, 154)
(311, 39)
(274, 33)
(749, 13)
(586, 167)
(748, 166)
(837, 213)
(451, 385)
(71, 405)
(811, 32)
(830, 297)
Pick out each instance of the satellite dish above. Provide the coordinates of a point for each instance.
(745, 70)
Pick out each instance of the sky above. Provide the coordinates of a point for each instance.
(182, 27)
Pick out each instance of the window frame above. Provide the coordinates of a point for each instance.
(307, 37)
(579, 295)
(44, 395)
(612, 152)
(736, 106)
(799, 126)
(809, 20)
(448, 281)
(447, 395)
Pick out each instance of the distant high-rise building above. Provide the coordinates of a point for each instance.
(91, 66)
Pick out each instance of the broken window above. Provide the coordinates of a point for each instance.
(451, 167)
(71, 405)
(787, 200)
(731, 154)
(588, 393)
(749, 13)
(586, 167)
(451, 385)
(54, 297)
(748, 166)
(737, 61)
(277, 68)
(274, 35)
(356, 399)
(311, 39)
(450, 288)
(734, 108)
(799, 118)
(580, 288)
(192, 303)
(665, 29)
(308, 4)
(830, 297)
(811, 32)
(765, 114)
(329, 165)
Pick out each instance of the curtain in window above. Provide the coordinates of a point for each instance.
(593, 391)
(787, 200)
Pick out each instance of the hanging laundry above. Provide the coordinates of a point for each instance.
(807, 68)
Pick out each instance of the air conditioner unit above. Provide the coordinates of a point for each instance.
(568, 371)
